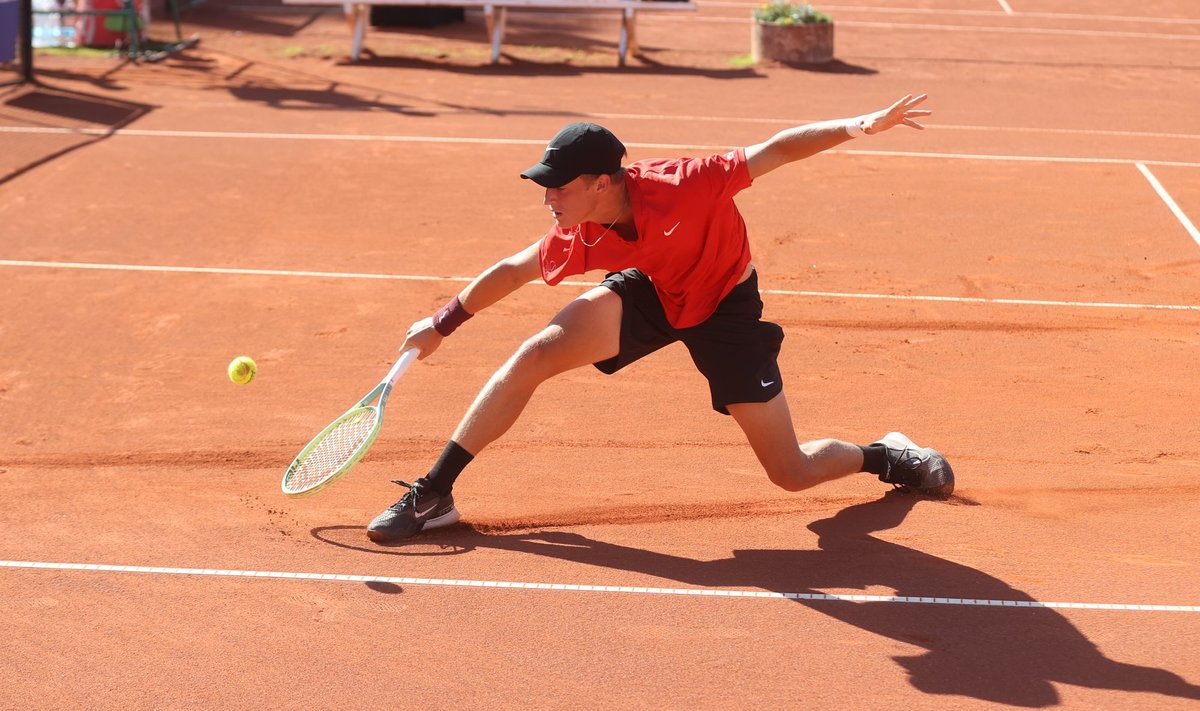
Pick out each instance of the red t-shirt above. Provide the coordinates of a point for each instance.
(691, 238)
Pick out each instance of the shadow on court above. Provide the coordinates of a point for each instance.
(835, 66)
(518, 67)
(1004, 655)
(325, 99)
(33, 106)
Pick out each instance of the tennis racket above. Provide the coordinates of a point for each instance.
(339, 446)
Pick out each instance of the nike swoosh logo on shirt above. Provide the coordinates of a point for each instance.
(667, 233)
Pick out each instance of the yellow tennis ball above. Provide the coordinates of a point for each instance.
(242, 369)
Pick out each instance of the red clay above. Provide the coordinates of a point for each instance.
(1070, 426)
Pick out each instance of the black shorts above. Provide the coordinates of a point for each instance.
(734, 349)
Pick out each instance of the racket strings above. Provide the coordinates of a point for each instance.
(334, 451)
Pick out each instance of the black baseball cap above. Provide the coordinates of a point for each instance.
(578, 149)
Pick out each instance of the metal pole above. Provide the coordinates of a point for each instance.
(26, 29)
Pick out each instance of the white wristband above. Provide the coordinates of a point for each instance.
(854, 127)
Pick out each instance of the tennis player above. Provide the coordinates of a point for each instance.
(675, 246)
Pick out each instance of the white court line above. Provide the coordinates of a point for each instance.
(930, 127)
(973, 13)
(972, 28)
(1003, 158)
(750, 4)
(418, 277)
(922, 26)
(164, 133)
(589, 114)
(1016, 30)
(249, 135)
(1166, 197)
(1006, 7)
(570, 587)
(226, 270)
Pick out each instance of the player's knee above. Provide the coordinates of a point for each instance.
(794, 474)
(786, 479)
(536, 356)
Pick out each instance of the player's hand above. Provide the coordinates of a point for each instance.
(901, 112)
(423, 336)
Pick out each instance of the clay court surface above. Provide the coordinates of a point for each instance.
(1018, 286)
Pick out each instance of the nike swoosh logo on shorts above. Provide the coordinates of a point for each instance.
(765, 384)
(667, 233)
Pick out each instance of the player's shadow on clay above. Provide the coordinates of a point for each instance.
(1006, 655)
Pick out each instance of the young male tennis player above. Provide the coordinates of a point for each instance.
(676, 248)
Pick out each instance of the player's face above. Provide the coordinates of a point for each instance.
(574, 202)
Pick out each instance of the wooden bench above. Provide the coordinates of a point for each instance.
(496, 15)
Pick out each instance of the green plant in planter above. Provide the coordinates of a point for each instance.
(787, 13)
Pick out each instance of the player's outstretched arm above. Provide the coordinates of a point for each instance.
(801, 142)
(495, 283)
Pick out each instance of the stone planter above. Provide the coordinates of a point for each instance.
(809, 43)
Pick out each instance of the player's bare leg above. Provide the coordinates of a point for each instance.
(586, 331)
(789, 464)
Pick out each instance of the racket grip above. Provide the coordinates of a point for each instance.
(406, 359)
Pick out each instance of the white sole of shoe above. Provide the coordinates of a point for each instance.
(445, 519)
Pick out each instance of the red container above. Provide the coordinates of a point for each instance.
(109, 30)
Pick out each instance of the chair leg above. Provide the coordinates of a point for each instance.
(132, 25)
(174, 7)
(358, 16)
(628, 42)
(496, 27)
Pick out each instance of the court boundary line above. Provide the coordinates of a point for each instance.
(595, 114)
(1170, 202)
(967, 29)
(976, 13)
(382, 138)
(842, 295)
(936, 127)
(720, 19)
(294, 10)
(573, 587)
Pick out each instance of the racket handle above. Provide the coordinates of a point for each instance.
(406, 359)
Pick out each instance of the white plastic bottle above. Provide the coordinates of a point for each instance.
(47, 29)
(67, 37)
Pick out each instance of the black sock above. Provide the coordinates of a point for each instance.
(447, 468)
(875, 459)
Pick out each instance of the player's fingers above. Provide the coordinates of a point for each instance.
(914, 124)
(417, 327)
(422, 353)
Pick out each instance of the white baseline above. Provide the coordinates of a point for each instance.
(839, 295)
(570, 587)
(1170, 202)
(539, 142)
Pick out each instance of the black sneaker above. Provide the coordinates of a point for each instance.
(419, 510)
(914, 468)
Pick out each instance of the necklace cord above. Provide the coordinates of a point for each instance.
(579, 230)
(579, 233)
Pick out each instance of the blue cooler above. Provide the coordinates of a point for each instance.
(10, 24)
